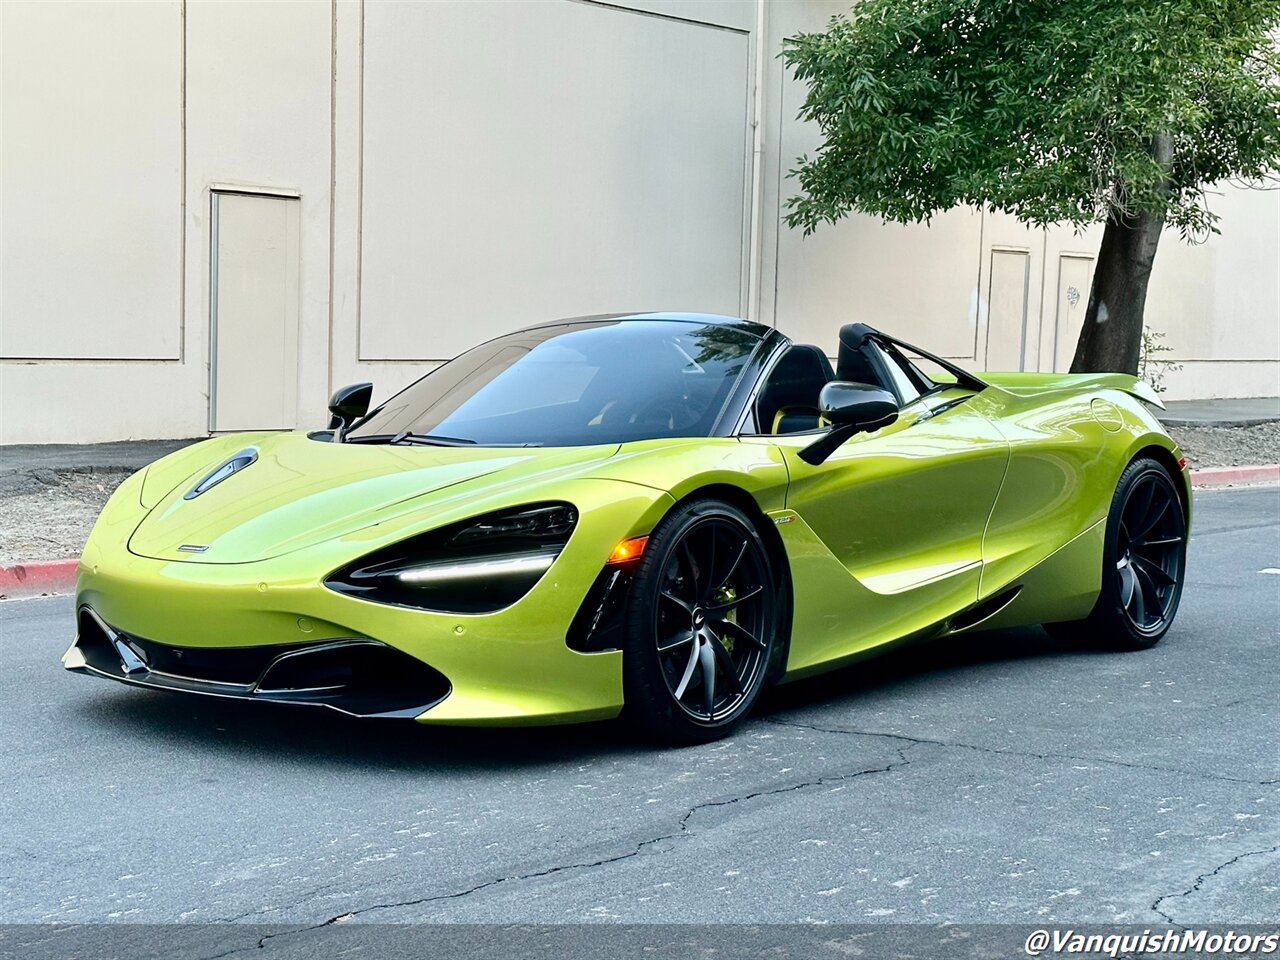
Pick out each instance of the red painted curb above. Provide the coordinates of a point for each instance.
(1229, 476)
(37, 579)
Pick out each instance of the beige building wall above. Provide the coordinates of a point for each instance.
(448, 171)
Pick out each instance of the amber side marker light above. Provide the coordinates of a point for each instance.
(628, 550)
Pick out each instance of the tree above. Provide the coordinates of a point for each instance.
(1076, 111)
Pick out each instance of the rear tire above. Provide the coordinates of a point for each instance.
(701, 624)
(1144, 562)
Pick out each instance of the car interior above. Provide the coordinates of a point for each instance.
(788, 402)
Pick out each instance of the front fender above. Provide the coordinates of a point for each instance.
(682, 466)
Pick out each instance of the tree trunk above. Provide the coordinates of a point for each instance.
(1111, 338)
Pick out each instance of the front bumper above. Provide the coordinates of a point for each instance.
(509, 667)
(361, 678)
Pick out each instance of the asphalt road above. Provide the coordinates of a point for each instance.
(998, 777)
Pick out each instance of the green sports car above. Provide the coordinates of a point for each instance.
(656, 515)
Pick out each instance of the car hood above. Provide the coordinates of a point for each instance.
(299, 491)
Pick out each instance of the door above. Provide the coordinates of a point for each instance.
(902, 511)
(253, 312)
(1075, 276)
(1009, 283)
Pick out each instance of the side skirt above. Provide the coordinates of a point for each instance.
(1063, 586)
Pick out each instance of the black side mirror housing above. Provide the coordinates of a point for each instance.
(346, 406)
(851, 408)
(858, 405)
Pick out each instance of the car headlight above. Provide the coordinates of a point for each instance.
(475, 566)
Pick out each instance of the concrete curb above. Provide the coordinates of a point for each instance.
(22, 580)
(1231, 476)
(1237, 422)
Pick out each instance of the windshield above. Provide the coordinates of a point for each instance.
(604, 381)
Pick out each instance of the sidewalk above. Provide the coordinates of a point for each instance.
(127, 455)
(1221, 413)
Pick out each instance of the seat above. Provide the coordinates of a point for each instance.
(788, 403)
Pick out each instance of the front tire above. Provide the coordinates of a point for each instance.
(701, 624)
(1144, 563)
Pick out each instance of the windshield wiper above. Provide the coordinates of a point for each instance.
(417, 438)
(431, 439)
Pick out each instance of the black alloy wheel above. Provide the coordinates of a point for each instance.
(702, 623)
(1150, 551)
(1144, 562)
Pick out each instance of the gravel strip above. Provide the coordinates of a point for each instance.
(1229, 446)
(47, 514)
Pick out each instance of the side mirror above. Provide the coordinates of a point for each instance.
(858, 405)
(852, 408)
(348, 405)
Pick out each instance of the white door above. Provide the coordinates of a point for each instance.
(253, 312)
(1075, 276)
(1009, 283)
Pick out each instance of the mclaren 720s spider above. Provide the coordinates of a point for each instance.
(656, 515)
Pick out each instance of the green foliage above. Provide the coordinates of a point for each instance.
(1151, 368)
(1051, 110)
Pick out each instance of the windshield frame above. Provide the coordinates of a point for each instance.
(725, 424)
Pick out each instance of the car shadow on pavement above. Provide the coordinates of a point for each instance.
(904, 665)
(162, 722)
(319, 737)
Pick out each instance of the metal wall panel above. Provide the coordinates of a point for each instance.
(91, 236)
(526, 161)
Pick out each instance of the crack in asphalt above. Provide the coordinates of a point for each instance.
(681, 830)
(259, 911)
(1156, 906)
(682, 825)
(1200, 881)
(1018, 753)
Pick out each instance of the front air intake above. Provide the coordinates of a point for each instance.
(360, 677)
